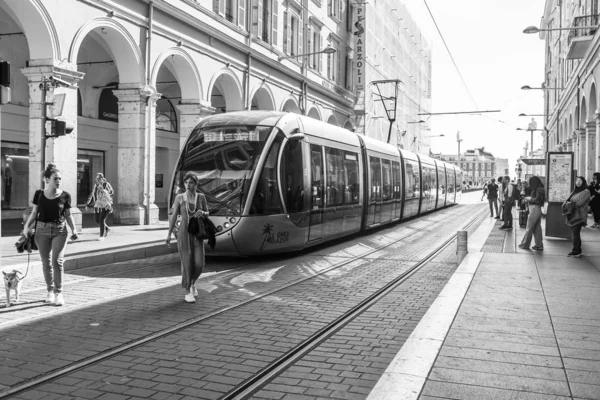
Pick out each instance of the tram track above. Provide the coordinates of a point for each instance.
(322, 334)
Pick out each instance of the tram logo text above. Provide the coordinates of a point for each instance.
(270, 237)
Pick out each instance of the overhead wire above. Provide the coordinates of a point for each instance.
(450, 54)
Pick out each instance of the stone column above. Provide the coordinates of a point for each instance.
(136, 157)
(590, 149)
(596, 163)
(189, 116)
(61, 151)
(569, 147)
(581, 151)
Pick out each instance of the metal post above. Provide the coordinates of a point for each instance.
(531, 154)
(461, 245)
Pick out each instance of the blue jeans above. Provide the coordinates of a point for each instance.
(51, 240)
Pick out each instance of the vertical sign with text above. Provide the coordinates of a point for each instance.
(358, 31)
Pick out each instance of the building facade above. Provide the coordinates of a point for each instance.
(477, 164)
(135, 77)
(570, 78)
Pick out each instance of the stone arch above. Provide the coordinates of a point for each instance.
(290, 104)
(37, 26)
(333, 120)
(348, 125)
(593, 100)
(315, 113)
(228, 85)
(185, 71)
(124, 49)
(262, 98)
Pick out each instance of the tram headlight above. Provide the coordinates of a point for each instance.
(226, 225)
(232, 220)
(219, 228)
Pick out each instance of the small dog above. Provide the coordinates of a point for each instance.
(12, 281)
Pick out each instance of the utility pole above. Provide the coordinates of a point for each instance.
(458, 140)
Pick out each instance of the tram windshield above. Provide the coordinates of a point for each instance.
(224, 159)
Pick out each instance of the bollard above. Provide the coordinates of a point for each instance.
(461, 245)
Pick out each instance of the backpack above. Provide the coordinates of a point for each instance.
(492, 190)
(516, 194)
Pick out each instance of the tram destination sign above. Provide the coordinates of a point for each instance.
(221, 136)
(534, 161)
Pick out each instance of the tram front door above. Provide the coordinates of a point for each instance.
(317, 193)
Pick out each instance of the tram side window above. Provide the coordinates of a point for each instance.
(266, 197)
(397, 173)
(292, 173)
(412, 179)
(375, 164)
(386, 169)
(352, 191)
(335, 177)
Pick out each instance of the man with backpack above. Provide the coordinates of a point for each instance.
(511, 195)
(492, 195)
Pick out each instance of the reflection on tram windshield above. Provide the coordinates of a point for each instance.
(224, 159)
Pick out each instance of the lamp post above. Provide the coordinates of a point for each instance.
(327, 50)
(458, 140)
(531, 130)
(535, 29)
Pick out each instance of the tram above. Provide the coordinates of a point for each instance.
(278, 182)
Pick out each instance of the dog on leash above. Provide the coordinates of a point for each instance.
(13, 280)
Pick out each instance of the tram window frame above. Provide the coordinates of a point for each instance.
(274, 205)
(375, 179)
(352, 190)
(335, 178)
(397, 179)
(411, 176)
(386, 187)
(291, 172)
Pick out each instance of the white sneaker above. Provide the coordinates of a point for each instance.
(194, 291)
(59, 300)
(50, 297)
(101, 238)
(189, 298)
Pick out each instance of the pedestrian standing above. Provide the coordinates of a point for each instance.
(492, 196)
(101, 200)
(500, 198)
(535, 200)
(595, 199)
(51, 213)
(189, 204)
(510, 196)
(576, 206)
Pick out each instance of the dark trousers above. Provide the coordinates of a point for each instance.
(596, 209)
(576, 234)
(508, 217)
(100, 218)
(493, 202)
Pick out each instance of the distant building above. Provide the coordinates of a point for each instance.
(478, 165)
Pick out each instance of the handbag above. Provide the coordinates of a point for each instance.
(27, 243)
(197, 226)
(103, 199)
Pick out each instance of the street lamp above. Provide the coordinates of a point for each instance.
(416, 122)
(458, 140)
(327, 50)
(531, 130)
(535, 29)
(531, 115)
(527, 87)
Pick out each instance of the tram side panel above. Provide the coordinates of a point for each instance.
(412, 187)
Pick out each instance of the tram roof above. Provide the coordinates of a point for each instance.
(237, 118)
(316, 127)
(379, 146)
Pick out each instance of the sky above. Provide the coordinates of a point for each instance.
(495, 58)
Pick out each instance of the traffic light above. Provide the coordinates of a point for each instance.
(56, 128)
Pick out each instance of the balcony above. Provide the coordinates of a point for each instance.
(579, 39)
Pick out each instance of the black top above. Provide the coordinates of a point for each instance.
(539, 197)
(492, 191)
(592, 188)
(52, 210)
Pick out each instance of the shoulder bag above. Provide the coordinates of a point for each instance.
(196, 225)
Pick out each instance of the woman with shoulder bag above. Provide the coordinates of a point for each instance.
(101, 200)
(535, 197)
(51, 213)
(576, 205)
(190, 204)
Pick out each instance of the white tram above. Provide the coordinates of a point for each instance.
(277, 182)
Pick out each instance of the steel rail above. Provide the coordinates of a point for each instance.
(109, 353)
(270, 372)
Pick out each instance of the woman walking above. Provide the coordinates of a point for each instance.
(535, 198)
(595, 199)
(101, 200)
(51, 213)
(576, 206)
(189, 204)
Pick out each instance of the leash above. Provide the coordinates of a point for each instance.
(27, 271)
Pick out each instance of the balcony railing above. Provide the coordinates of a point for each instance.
(588, 20)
